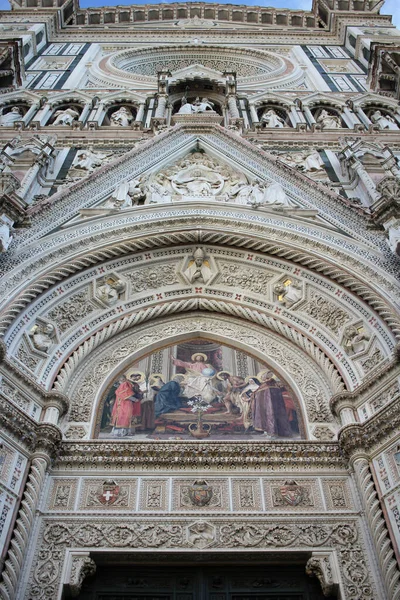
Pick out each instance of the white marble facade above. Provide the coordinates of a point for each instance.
(199, 316)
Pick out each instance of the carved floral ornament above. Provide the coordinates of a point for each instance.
(216, 534)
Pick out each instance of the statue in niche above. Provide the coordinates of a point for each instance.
(5, 233)
(328, 120)
(383, 121)
(65, 116)
(110, 290)
(198, 106)
(8, 119)
(198, 270)
(271, 119)
(87, 160)
(125, 195)
(42, 336)
(288, 292)
(121, 117)
(355, 340)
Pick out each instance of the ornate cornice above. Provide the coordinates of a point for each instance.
(364, 438)
(290, 456)
(18, 424)
(369, 385)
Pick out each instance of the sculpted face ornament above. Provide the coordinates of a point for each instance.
(200, 493)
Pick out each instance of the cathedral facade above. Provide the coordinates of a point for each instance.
(199, 302)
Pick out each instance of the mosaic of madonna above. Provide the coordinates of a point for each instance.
(199, 390)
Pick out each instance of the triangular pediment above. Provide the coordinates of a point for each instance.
(165, 151)
(196, 71)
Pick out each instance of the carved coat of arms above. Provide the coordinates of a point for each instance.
(109, 493)
(291, 493)
(200, 493)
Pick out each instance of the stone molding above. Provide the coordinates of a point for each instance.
(77, 566)
(232, 456)
(332, 535)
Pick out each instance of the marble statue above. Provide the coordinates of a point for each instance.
(383, 121)
(5, 233)
(275, 194)
(186, 108)
(198, 270)
(156, 194)
(328, 120)
(110, 290)
(125, 195)
(87, 160)
(271, 119)
(8, 119)
(65, 117)
(42, 336)
(121, 117)
(203, 105)
(241, 192)
(198, 106)
(312, 162)
(288, 293)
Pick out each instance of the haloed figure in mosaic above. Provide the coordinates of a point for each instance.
(235, 393)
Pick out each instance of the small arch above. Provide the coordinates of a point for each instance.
(209, 13)
(252, 17)
(195, 11)
(109, 17)
(154, 15)
(266, 18)
(237, 15)
(94, 19)
(124, 17)
(139, 15)
(167, 14)
(281, 19)
(297, 21)
(182, 13)
(223, 15)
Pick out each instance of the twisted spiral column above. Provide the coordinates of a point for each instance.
(377, 524)
(23, 527)
(47, 442)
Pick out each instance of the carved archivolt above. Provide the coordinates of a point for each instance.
(87, 375)
(97, 304)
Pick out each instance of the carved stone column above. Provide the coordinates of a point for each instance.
(232, 107)
(48, 441)
(140, 112)
(253, 113)
(377, 525)
(161, 106)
